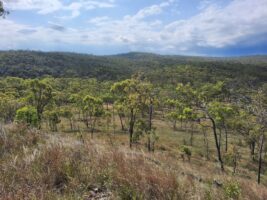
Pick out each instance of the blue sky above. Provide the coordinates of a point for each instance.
(186, 27)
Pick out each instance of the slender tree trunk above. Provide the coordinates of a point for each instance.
(149, 126)
(192, 134)
(121, 121)
(235, 164)
(226, 138)
(39, 116)
(260, 158)
(113, 119)
(217, 143)
(174, 125)
(252, 152)
(93, 122)
(206, 142)
(131, 127)
(220, 137)
(71, 125)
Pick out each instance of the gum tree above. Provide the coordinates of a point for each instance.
(40, 96)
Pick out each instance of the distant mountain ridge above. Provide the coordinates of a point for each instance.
(29, 64)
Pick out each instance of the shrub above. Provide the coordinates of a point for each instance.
(232, 190)
(27, 115)
(187, 151)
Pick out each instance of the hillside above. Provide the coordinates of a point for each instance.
(30, 64)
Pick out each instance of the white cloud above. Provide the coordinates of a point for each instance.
(219, 27)
(240, 22)
(152, 10)
(49, 6)
(43, 7)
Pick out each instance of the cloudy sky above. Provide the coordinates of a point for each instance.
(188, 27)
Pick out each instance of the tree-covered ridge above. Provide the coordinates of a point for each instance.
(201, 123)
(29, 64)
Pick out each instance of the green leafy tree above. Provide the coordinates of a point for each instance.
(134, 97)
(259, 109)
(53, 117)
(27, 115)
(40, 96)
(92, 111)
(67, 113)
(8, 107)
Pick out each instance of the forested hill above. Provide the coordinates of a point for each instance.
(29, 64)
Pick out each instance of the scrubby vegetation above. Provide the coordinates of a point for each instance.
(165, 132)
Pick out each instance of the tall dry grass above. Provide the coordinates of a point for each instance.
(36, 165)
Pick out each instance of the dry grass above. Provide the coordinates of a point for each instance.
(36, 165)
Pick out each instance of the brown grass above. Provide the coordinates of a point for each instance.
(36, 165)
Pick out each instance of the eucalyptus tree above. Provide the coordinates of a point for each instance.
(259, 109)
(40, 96)
(27, 115)
(201, 103)
(53, 117)
(175, 112)
(92, 111)
(209, 97)
(132, 96)
(8, 106)
(67, 113)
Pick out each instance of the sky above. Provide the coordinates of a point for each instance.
(104, 27)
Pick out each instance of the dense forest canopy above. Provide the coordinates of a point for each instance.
(30, 64)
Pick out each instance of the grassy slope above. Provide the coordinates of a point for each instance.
(70, 166)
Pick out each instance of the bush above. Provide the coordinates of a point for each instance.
(186, 151)
(27, 115)
(232, 190)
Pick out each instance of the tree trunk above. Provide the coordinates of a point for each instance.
(131, 127)
(71, 125)
(206, 142)
(93, 127)
(149, 126)
(217, 142)
(192, 134)
(122, 126)
(220, 137)
(39, 116)
(113, 119)
(174, 125)
(252, 152)
(226, 138)
(260, 157)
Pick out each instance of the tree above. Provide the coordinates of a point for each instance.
(67, 113)
(92, 110)
(207, 101)
(53, 117)
(40, 96)
(244, 124)
(3, 12)
(27, 115)
(259, 109)
(175, 112)
(8, 107)
(222, 113)
(132, 96)
(232, 157)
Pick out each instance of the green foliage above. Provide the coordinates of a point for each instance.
(27, 115)
(232, 190)
(187, 150)
(53, 117)
(40, 96)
